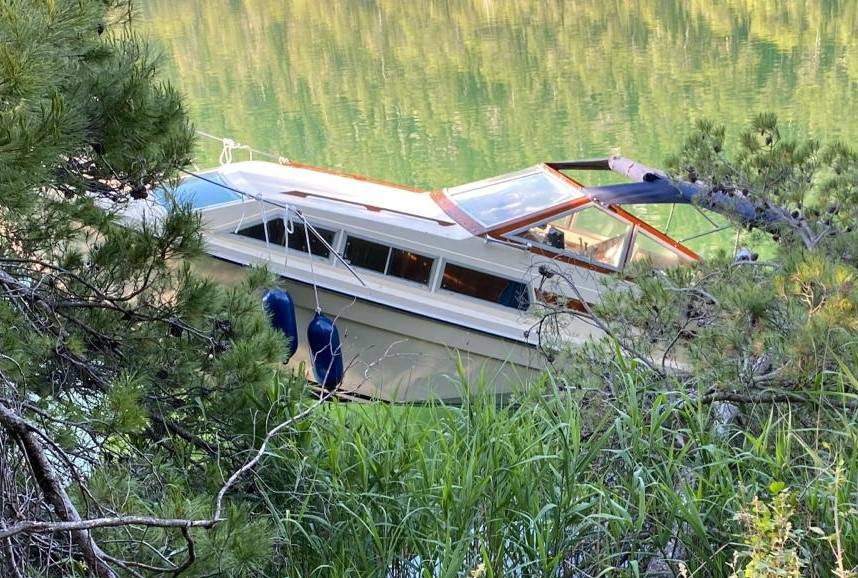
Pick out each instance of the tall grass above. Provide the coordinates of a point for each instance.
(563, 484)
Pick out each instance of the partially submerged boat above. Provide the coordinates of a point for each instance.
(434, 292)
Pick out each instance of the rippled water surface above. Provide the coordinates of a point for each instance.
(434, 93)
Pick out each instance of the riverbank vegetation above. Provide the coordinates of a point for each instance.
(148, 428)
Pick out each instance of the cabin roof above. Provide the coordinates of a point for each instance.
(277, 181)
(282, 184)
(493, 206)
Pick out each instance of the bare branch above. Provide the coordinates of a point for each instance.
(79, 528)
(52, 489)
(38, 526)
(261, 451)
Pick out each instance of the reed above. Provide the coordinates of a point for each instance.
(564, 484)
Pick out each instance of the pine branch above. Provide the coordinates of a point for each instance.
(777, 397)
(185, 434)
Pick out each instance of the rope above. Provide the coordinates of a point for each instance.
(241, 218)
(265, 227)
(288, 229)
(229, 145)
(312, 270)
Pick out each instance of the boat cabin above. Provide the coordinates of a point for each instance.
(541, 209)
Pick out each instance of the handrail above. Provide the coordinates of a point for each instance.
(367, 206)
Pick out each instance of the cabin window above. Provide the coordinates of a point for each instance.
(485, 286)
(388, 260)
(591, 232)
(646, 248)
(276, 232)
(411, 266)
(297, 238)
(366, 254)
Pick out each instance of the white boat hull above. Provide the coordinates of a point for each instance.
(398, 356)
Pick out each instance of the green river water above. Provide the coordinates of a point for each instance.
(435, 93)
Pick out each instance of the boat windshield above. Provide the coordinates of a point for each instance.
(495, 201)
(591, 232)
(601, 237)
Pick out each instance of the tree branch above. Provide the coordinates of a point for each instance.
(775, 397)
(53, 491)
(71, 520)
(39, 526)
(182, 432)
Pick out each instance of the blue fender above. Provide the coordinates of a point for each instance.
(281, 310)
(324, 340)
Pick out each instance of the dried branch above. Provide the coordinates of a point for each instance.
(71, 521)
(53, 490)
(40, 526)
(251, 463)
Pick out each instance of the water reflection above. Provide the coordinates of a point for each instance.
(437, 93)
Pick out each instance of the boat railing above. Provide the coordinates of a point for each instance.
(367, 206)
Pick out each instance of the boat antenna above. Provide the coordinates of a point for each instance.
(289, 209)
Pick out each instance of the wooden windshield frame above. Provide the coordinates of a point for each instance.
(502, 230)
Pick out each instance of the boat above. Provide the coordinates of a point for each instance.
(435, 294)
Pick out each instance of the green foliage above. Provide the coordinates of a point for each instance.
(146, 384)
(760, 354)
(550, 486)
(149, 386)
(121, 410)
(778, 329)
(801, 191)
(772, 540)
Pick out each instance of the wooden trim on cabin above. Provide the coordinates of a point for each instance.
(513, 225)
(367, 206)
(454, 212)
(476, 228)
(298, 165)
(654, 232)
(571, 259)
